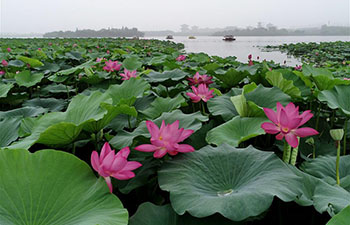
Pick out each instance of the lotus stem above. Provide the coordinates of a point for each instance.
(313, 151)
(337, 162)
(332, 118)
(345, 131)
(67, 91)
(318, 115)
(74, 148)
(203, 108)
(286, 152)
(294, 156)
(129, 122)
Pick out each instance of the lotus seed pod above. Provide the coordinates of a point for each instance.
(337, 134)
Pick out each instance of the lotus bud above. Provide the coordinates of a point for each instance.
(310, 141)
(337, 134)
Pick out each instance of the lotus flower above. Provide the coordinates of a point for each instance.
(286, 122)
(109, 164)
(50, 43)
(298, 67)
(75, 45)
(9, 49)
(39, 49)
(250, 56)
(201, 93)
(4, 62)
(250, 63)
(2, 72)
(166, 139)
(181, 58)
(200, 79)
(99, 59)
(345, 78)
(112, 66)
(108, 52)
(128, 74)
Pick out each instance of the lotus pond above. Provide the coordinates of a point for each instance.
(139, 132)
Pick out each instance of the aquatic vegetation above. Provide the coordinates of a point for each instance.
(219, 141)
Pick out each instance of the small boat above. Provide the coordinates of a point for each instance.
(191, 37)
(229, 38)
(169, 37)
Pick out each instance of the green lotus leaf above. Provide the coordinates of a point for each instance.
(132, 63)
(16, 63)
(150, 214)
(128, 91)
(341, 218)
(236, 183)
(337, 98)
(276, 79)
(54, 187)
(9, 130)
(174, 75)
(232, 77)
(61, 128)
(26, 79)
(200, 57)
(161, 105)
(32, 62)
(57, 89)
(4, 89)
(222, 106)
(72, 70)
(324, 167)
(51, 104)
(236, 131)
(188, 121)
(331, 199)
(267, 97)
(157, 60)
(23, 112)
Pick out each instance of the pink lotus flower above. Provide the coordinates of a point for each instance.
(345, 78)
(286, 122)
(9, 49)
(166, 139)
(250, 56)
(298, 67)
(75, 45)
(108, 52)
(181, 58)
(200, 93)
(50, 43)
(112, 66)
(316, 53)
(109, 164)
(2, 72)
(250, 63)
(128, 74)
(200, 79)
(39, 49)
(17, 72)
(99, 59)
(97, 47)
(4, 62)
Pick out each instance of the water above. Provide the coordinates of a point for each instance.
(243, 46)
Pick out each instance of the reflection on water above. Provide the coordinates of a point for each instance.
(243, 46)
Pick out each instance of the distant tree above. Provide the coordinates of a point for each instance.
(185, 28)
(194, 28)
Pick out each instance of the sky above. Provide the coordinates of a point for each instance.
(40, 16)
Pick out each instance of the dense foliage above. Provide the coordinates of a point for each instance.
(189, 148)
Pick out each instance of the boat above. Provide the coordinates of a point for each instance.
(191, 37)
(169, 37)
(229, 38)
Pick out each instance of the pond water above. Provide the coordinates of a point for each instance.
(243, 46)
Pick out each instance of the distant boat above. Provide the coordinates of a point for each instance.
(229, 38)
(169, 37)
(191, 37)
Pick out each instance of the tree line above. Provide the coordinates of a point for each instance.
(110, 32)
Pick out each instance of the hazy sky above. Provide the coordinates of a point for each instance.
(25, 16)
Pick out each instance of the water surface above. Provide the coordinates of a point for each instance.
(243, 46)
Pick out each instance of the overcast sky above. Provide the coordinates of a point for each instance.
(40, 16)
